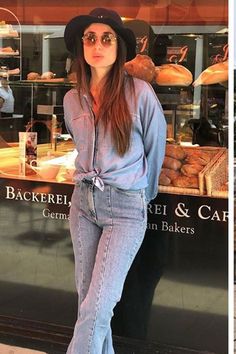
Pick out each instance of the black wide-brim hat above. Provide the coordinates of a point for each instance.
(77, 25)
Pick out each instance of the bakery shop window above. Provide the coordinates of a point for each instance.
(188, 69)
(191, 82)
(186, 65)
(38, 110)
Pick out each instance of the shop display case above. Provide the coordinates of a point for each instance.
(10, 44)
(187, 231)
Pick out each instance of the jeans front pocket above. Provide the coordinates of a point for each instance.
(129, 204)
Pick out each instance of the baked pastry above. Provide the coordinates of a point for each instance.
(7, 30)
(173, 75)
(8, 50)
(15, 71)
(141, 67)
(175, 151)
(214, 74)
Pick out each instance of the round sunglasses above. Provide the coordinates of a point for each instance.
(106, 39)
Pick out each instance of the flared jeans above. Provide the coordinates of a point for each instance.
(107, 228)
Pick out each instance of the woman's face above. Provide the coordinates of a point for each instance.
(100, 46)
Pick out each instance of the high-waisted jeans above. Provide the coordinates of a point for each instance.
(107, 228)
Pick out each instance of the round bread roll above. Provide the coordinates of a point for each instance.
(33, 76)
(171, 174)
(164, 180)
(47, 75)
(214, 74)
(141, 67)
(173, 75)
(171, 163)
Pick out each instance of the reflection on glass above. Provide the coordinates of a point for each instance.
(6, 94)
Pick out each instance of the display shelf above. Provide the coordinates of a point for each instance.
(15, 36)
(9, 55)
(9, 36)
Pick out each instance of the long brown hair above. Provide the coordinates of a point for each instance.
(114, 110)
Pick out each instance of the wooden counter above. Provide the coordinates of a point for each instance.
(9, 168)
(9, 162)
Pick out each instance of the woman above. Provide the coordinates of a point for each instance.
(119, 131)
(6, 99)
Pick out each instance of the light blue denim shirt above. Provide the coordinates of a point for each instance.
(97, 159)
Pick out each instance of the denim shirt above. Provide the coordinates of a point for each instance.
(97, 160)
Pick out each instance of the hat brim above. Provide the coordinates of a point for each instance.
(77, 25)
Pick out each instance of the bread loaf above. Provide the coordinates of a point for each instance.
(173, 75)
(214, 74)
(141, 67)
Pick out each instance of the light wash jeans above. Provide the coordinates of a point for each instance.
(107, 228)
